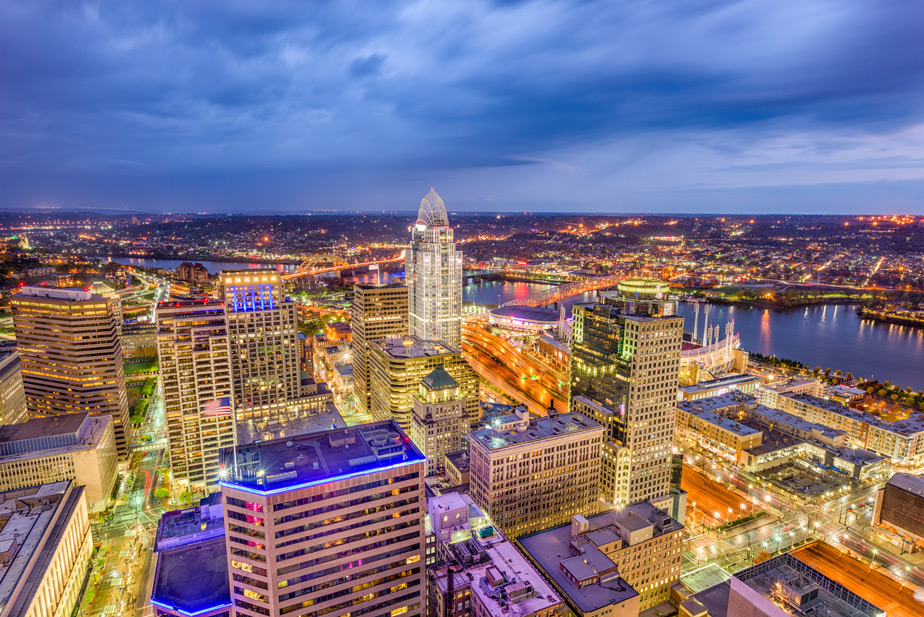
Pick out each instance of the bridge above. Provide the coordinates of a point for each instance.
(557, 294)
(321, 264)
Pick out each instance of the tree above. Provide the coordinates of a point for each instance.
(882, 392)
(837, 372)
(161, 493)
(894, 397)
(871, 389)
(849, 376)
(186, 497)
(887, 384)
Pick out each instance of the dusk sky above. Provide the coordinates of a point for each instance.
(694, 106)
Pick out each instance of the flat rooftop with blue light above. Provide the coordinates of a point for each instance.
(280, 465)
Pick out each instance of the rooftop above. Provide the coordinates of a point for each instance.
(721, 382)
(718, 402)
(524, 431)
(26, 515)
(269, 467)
(40, 436)
(73, 294)
(408, 347)
(439, 379)
(193, 579)
(733, 426)
(789, 420)
(553, 549)
(908, 482)
(250, 430)
(909, 426)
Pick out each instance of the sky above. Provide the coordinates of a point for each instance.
(688, 106)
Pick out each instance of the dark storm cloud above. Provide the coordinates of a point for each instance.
(106, 101)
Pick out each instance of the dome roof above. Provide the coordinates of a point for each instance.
(433, 211)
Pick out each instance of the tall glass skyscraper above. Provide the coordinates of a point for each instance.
(434, 276)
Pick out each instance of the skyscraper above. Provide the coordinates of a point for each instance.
(71, 356)
(624, 368)
(195, 370)
(434, 275)
(398, 364)
(378, 311)
(439, 419)
(263, 334)
(327, 523)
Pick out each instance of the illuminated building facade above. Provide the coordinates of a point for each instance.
(434, 275)
(624, 374)
(529, 474)
(378, 311)
(71, 355)
(398, 364)
(263, 334)
(439, 420)
(195, 369)
(12, 394)
(327, 523)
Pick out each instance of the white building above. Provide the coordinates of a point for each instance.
(439, 419)
(434, 275)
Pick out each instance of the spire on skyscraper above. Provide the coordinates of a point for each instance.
(432, 211)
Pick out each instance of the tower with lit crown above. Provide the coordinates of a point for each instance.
(434, 276)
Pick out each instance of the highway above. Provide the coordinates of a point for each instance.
(866, 580)
(514, 373)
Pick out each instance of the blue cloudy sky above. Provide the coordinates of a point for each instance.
(613, 106)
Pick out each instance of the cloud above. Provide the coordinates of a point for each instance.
(101, 98)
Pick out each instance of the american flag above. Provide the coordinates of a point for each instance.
(218, 407)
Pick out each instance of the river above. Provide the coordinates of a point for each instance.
(830, 335)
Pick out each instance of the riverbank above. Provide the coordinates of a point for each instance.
(915, 319)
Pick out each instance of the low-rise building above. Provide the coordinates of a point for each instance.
(457, 467)
(615, 563)
(769, 393)
(478, 572)
(899, 511)
(530, 474)
(715, 387)
(45, 549)
(78, 447)
(139, 340)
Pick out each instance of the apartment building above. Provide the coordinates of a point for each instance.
(196, 375)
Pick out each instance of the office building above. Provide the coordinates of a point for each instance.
(263, 335)
(139, 341)
(12, 394)
(434, 276)
(196, 375)
(328, 523)
(530, 474)
(77, 447)
(439, 420)
(45, 549)
(624, 372)
(399, 363)
(479, 571)
(68, 342)
(615, 563)
(378, 312)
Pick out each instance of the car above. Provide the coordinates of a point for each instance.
(863, 505)
(850, 509)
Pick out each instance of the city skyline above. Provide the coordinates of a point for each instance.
(555, 106)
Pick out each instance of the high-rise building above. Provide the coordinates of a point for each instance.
(530, 474)
(12, 395)
(263, 333)
(195, 370)
(439, 420)
(398, 364)
(378, 311)
(327, 523)
(71, 356)
(624, 373)
(47, 545)
(434, 275)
